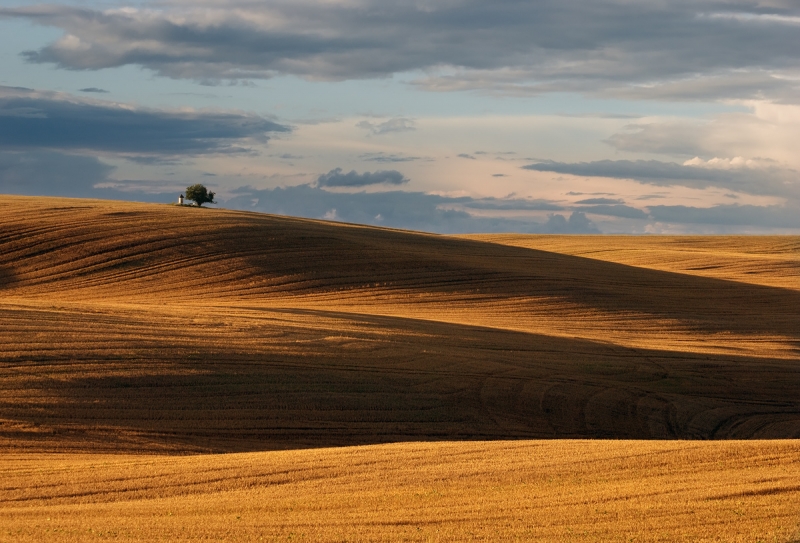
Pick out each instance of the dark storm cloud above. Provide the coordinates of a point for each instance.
(337, 178)
(773, 181)
(648, 49)
(33, 119)
(410, 210)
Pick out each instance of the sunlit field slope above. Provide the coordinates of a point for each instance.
(135, 327)
(759, 260)
(555, 490)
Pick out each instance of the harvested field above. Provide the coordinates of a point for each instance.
(133, 334)
(759, 260)
(547, 490)
(143, 327)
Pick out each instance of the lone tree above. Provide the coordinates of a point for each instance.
(199, 195)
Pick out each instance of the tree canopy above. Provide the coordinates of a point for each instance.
(199, 195)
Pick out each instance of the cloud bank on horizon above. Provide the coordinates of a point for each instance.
(608, 115)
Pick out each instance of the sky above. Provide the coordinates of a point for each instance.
(549, 116)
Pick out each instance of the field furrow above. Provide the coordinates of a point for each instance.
(375, 384)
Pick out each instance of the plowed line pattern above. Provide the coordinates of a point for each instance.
(133, 327)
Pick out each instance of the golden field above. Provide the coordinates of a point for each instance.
(353, 383)
(558, 490)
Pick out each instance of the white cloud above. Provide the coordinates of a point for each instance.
(399, 124)
(767, 132)
(757, 18)
(737, 162)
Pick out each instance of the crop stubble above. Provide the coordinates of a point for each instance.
(130, 328)
(558, 490)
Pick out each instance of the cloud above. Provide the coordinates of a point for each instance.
(94, 89)
(387, 157)
(766, 131)
(733, 163)
(577, 223)
(622, 211)
(572, 192)
(48, 120)
(336, 178)
(600, 201)
(512, 204)
(702, 50)
(396, 209)
(677, 138)
(730, 215)
(466, 155)
(48, 172)
(753, 84)
(399, 124)
(153, 160)
(759, 180)
(43, 172)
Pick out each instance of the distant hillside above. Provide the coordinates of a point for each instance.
(143, 326)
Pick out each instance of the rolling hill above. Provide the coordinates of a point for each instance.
(150, 327)
(179, 374)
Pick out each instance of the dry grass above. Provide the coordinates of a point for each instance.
(542, 490)
(132, 328)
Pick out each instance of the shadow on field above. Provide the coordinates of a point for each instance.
(149, 254)
(6, 277)
(126, 364)
(390, 380)
(310, 258)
